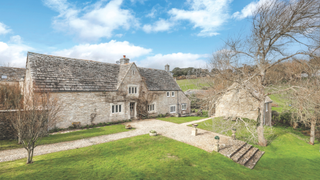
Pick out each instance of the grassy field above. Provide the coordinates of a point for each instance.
(180, 120)
(145, 157)
(186, 84)
(12, 144)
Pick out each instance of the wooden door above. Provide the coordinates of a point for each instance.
(132, 109)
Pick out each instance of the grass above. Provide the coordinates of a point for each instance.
(186, 84)
(145, 157)
(277, 99)
(12, 144)
(180, 120)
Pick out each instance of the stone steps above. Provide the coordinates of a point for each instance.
(242, 153)
(229, 151)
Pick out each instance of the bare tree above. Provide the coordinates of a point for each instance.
(305, 104)
(276, 26)
(31, 114)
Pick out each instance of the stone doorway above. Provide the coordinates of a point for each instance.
(132, 110)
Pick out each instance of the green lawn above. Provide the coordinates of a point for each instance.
(145, 157)
(180, 120)
(12, 144)
(277, 99)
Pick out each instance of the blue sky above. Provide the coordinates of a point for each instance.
(182, 33)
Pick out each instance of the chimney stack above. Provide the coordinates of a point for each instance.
(167, 68)
(124, 60)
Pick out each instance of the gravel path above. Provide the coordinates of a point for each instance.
(179, 132)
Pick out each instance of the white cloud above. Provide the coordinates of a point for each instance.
(16, 39)
(249, 9)
(208, 15)
(92, 22)
(4, 29)
(181, 60)
(152, 14)
(105, 52)
(13, 54)
(161, 25)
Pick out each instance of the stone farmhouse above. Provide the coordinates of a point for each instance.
(93, 92)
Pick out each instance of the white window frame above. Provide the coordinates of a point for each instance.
(184, 104)
(175, 109)
(133, 89)
(116, 108)
(172, 93)
(168, 94)
(151, 107)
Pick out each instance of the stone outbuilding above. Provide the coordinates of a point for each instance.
(95, 92)
(239, 103)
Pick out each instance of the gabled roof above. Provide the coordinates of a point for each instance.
(124, 68)
(61, 74)
(12, 74)
(159, 80)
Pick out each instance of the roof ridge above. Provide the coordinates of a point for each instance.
(70, 58)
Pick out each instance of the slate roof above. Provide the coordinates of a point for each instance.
(158, 80)
(61, 74)
(12, 74)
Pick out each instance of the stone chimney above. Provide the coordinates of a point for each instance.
(124, 60)
(167, 68)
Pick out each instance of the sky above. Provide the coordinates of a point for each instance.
(152, 33)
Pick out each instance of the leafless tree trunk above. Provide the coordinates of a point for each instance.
(312, 132)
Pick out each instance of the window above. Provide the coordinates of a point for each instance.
(116, 108)
(132, 90)
(172, 93)
(184, 106)
(172, 109)
(4, 77)
(168, 94)
(151, 107)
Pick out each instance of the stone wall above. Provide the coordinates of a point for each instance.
(237, 104)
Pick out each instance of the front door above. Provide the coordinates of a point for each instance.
(132, 109)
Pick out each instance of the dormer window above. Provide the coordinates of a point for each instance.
(4, 77)
(172, 93)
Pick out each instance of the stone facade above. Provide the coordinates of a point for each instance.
(87, 91)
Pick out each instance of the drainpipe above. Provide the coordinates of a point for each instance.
(264, 114)
(178, 102)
